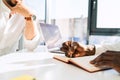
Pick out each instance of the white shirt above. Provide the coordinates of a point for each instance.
(11, 30)
(104, 47)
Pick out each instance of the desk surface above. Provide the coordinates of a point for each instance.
(42, 66)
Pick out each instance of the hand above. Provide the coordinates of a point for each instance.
(73, 49)
(20, 8)
(109, 59)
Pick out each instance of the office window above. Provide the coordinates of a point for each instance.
(104, 17)
(71, 17)
(38, 7)
(103, 21)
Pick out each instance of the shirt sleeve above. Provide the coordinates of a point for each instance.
(10, 30)
(32, 44)
(104, 47)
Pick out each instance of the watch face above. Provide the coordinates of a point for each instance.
(34, 17)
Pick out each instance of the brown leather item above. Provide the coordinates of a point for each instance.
(28, 18)
(31, 17)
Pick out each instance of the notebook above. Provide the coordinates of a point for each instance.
(82, 62)
(52, 37)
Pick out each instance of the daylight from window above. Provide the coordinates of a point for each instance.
(108, 15)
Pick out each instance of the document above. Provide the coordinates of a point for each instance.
(82, 62)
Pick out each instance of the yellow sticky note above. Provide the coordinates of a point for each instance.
(24, 77)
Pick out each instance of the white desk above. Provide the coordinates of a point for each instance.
(42, 66)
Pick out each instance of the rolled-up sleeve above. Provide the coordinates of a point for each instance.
(32, 44)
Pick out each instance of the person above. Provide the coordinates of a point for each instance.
(108, 54)
(17, 20)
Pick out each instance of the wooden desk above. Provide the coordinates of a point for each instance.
(42, 66)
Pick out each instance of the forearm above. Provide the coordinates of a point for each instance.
(29, 31)
(20, 8)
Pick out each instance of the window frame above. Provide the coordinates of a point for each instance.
(92, 22)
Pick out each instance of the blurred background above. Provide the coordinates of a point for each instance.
(86, 21)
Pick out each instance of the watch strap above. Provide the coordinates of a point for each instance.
(33, 17)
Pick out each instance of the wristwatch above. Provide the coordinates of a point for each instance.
(33, 17)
